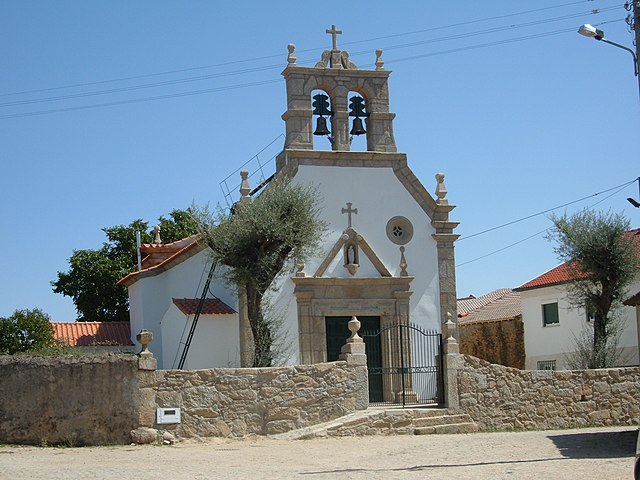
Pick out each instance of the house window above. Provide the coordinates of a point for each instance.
(547, 365)
(550, 314)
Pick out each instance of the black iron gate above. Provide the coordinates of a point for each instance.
(410, 359)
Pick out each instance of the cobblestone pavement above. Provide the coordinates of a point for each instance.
(597, 453)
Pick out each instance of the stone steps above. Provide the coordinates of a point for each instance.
(449, 423)
(376, 421)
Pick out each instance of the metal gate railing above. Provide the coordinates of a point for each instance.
(405, 365)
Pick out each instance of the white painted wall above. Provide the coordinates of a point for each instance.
(216, 339)
(379, 196)
(554, 342)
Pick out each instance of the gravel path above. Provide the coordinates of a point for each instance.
(597, 453)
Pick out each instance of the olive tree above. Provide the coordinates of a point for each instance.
(257, 240)
(602, 257)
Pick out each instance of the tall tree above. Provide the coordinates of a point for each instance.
(92, 276)
(603, 259)
(24, 331)
(257, 240)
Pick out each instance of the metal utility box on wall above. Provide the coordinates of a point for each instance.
(167, 415)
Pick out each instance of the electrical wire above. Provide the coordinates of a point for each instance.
(258, 83)
(621, 186)
(278, 65)
(549, 228)
(190, 79)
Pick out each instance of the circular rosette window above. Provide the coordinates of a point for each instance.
(399, 230)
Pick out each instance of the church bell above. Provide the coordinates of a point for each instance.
(357, 128)
(321, 127)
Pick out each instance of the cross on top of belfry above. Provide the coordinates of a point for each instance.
(334, 32)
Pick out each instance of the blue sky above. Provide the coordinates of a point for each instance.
(520, 112)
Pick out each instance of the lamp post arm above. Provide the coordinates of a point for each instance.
(633, 54)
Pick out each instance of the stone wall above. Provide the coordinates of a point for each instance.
(503, 398)
(243, 401)
(86, 400)
(500, 342)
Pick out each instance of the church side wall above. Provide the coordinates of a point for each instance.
(152, 309)
(503, 398)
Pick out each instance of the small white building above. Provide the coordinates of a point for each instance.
(387, 256)
(551, 323)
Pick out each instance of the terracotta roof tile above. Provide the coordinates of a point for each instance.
(164, 256)
(566, 271)
(212, 306)
(500, 304)
(84, 334)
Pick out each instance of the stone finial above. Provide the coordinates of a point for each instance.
(300, 269)
(441, 190)
(403, 263)
(146, 361)
(157, 240)
(291, 58)
(355, 343)
(379, 61)
(354, 325)
(245, 188)
(145, 337)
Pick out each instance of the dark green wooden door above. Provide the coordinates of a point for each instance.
(337, 333)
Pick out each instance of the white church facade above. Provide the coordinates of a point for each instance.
(387, 256)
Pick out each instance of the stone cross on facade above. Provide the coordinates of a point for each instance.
(334, 32)
(349, 211)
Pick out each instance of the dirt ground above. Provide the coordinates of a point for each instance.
(597, 453)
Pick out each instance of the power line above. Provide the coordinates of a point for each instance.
(547, 211)
(546, 229)
(138, 100)
(264, 57)
(258, 83)
(277, 66)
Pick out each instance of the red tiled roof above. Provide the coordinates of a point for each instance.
(500, 304)
(161, 257)
(557, 275)
(566, 271)
(212, 306)
(84, 334)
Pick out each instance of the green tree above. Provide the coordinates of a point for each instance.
(24, 331)
(257, 240)
(602, 256)
(92, 275)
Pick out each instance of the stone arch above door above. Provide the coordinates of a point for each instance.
(317, 298)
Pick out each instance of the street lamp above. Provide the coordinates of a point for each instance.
(592, 32)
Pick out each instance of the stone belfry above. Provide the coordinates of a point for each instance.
(345, 86)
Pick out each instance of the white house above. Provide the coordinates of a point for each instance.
(388, 254)
(551, 323)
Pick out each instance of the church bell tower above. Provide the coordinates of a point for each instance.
(354, 101)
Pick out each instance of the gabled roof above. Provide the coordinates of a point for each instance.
(161, 257)
(498, 305)
(84, 334)
(556, 276)
(567, 271)
(212, 306)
